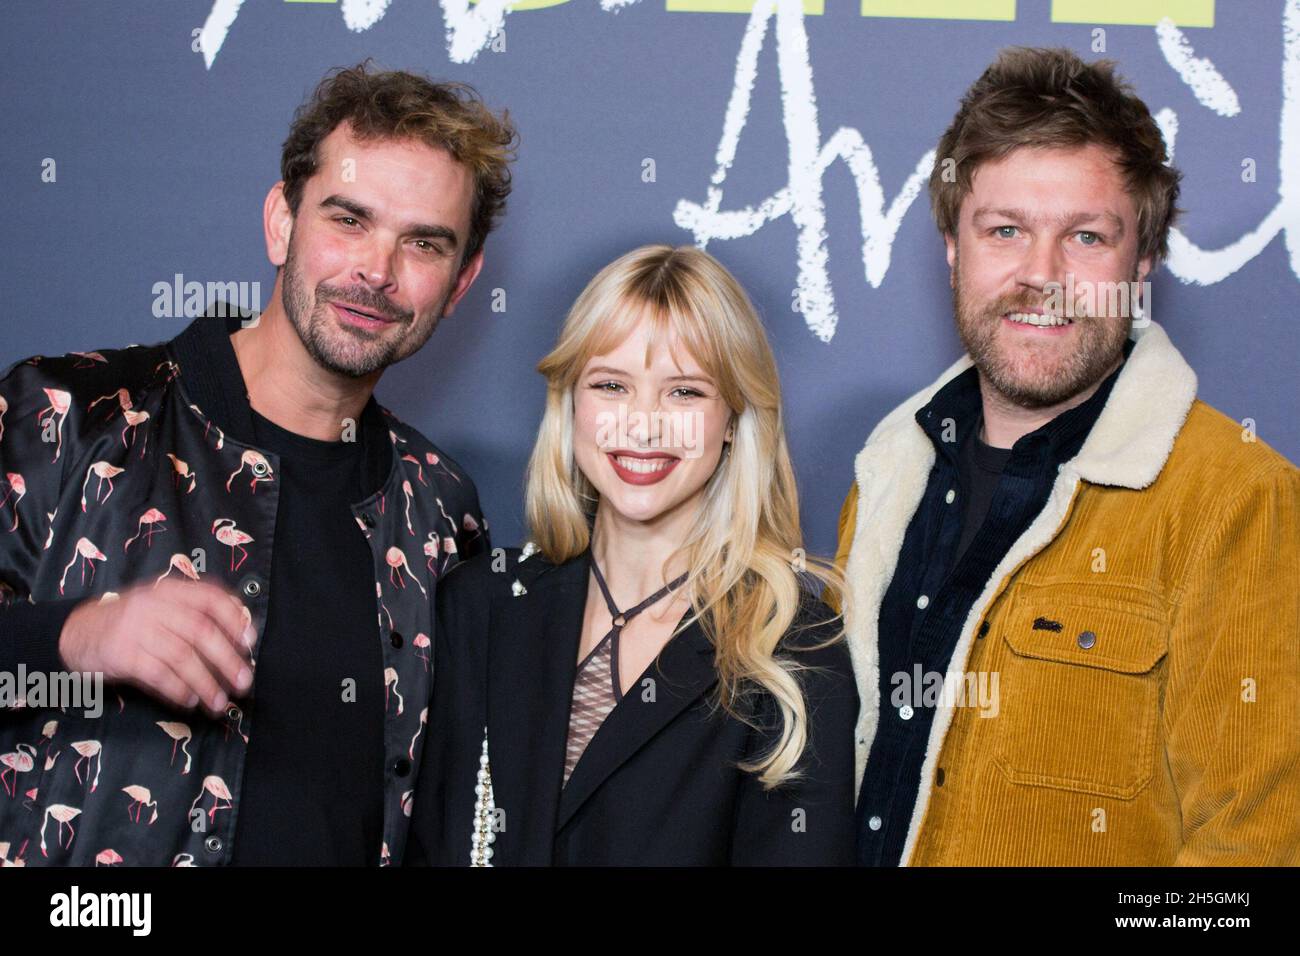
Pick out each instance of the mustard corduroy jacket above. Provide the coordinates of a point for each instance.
(1141, 660)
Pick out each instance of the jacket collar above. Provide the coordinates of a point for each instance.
(1133, 434)
(531, 689)
(211, 380)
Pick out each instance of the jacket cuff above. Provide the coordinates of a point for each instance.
(29, 635)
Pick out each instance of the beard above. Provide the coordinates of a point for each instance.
(348, 350)
(1035, 374)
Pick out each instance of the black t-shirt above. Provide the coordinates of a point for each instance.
(980, 467)
(312, 793)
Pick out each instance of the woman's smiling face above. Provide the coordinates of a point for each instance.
(648, 438)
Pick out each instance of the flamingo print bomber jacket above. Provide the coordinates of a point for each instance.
(118, 467)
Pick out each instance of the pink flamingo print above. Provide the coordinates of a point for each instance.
(407, 802)
(140, 798)
(60, 402)
(87, 359)
(17, 485)
(449, 551)
(64, 814)
(170, 368)
(410, 494)
(105, 471)
(153, 518)
(181, 472)
(181, 735)
(390, 680)
(233, 538)
(4, 407)
(215, 786)
(183, 859)
(134, 419)
(18, 857)
(49, 538)
(421, 643)
(254, 460)
(419, 469)
(431, 551)
(396, 563)
(22, 760)
(107, 857)
(379, 592)
(89, 750)
(89, 554)
(182, 563)
(436, 462)
(237, 723)
(123, 400)
(470, 523)
(424, 719)
(207, 424)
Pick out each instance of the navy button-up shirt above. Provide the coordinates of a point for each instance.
(933, 590)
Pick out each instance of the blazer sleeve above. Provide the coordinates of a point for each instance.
(810, 821)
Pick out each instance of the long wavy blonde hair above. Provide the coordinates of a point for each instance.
(745, 554)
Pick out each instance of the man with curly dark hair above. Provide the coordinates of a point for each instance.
(255, 543)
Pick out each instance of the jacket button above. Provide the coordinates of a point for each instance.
(367, 519)
(1087, 639)
(938, 777)
(923, 601)
(984, 629)
(402, 767)
(396, 639)
(875, 823)
(906, 712)
(234, 713)
(212, 844)
(252, 588)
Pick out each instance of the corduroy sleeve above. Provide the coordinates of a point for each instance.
(1231, 705)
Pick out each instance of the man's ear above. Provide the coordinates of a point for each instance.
(1144, 266)
(277, 224)
(468, 273)
(950, 242)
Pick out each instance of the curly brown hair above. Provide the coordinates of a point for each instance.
(400, 105)
(1051, 98)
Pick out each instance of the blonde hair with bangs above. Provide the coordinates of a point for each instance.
(743, 551)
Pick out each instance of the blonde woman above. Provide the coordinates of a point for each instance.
(650, 681)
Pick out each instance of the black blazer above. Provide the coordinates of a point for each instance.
(658, 783)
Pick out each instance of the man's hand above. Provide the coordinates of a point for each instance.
(182, 641)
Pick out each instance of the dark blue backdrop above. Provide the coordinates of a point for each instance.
(164, 140)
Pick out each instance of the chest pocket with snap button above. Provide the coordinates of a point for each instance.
(1081, 690)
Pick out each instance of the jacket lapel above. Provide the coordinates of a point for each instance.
(684, 671)
(530, 681)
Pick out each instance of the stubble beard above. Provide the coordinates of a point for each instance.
(1028, 378)
(346, 350)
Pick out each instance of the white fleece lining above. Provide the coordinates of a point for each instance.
(1127, 447)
